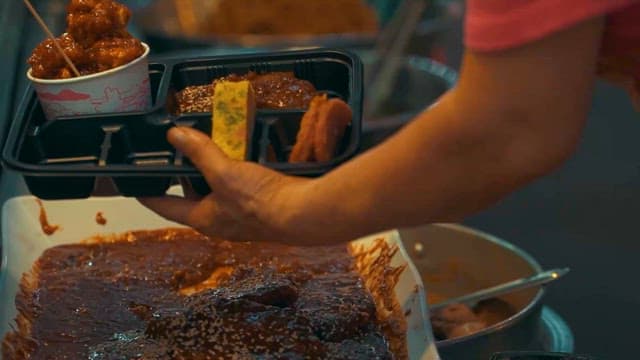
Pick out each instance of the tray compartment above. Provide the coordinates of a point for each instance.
(57, 143)
(330, 75)
(66, 187)
(156, 78)
(135, 141)
(62, 158)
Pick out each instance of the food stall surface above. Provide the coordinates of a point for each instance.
(582, 216)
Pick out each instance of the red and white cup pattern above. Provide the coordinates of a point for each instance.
(122, 89)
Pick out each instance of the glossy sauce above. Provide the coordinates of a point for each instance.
(47, 228)
(100, 219)
(274, 90)
(121, 297)
(96, 40)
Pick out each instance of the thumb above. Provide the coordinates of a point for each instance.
(172, 208)
(200, 149)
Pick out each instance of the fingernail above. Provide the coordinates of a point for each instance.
(178, 135)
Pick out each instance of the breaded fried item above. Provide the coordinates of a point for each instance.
(303, 149)
(321, 129)
(96, 40)
(333, 119)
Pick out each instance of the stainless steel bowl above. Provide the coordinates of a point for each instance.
(485, 261)
(419, 83)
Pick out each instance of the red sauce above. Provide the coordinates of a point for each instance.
(96, 40)
(274, 90)
(100, 219)
(47, 228)
(121, 298)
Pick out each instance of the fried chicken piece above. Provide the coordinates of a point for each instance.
(113, 52)
(321, 128)
(96, 40)
(46, 61)
(89, 20)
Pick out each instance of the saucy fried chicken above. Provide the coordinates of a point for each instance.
(96, 40)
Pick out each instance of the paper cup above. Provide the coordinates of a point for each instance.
(122, 89)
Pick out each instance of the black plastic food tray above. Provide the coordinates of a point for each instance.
(64, 157)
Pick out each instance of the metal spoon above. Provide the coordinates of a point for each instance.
(511, 286)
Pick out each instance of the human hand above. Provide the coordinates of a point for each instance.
(248, 202)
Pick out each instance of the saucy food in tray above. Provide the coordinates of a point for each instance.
(173, 293)
(321, 127)
(96, 40)
(274, 90)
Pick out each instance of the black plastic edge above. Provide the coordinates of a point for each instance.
(9, 158)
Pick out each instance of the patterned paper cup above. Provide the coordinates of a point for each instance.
(122, 89)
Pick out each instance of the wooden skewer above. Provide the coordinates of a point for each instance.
(55, 41)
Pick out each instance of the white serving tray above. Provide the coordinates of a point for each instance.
(23, 242)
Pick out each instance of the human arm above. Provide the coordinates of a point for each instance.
(515, 115)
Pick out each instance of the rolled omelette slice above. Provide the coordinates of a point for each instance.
(233, 115)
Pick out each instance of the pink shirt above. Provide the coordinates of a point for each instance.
(493, 25)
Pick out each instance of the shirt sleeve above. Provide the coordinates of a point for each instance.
(492, 25)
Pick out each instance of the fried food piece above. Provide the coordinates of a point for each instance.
(321, 128)
(47, 63)
(333, 119)
(234, 109)
(90, 20)
(113, 52)
(303, 149)
(96, 40)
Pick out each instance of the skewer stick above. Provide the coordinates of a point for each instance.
(55, 41)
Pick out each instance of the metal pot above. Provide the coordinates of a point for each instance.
(419, 83)
(484, 261)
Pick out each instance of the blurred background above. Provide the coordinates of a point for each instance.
(582, 216)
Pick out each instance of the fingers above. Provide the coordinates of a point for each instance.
(202, 152)
(171, 207)
(187, 189)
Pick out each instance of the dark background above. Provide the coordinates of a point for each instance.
(583, 216)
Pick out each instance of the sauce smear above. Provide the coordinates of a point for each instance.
(175, 294)
(47, 228)
(100, 219)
